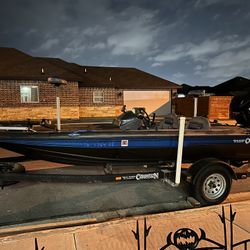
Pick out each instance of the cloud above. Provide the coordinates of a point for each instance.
(179, 75)
(49, 44)
(229, 64)
(74, 48)
(230, 58)
(135, 34)
(78, 40)
(226, 72)
(198, 67)
(99, 46)
(216, 16)
(234, 61)
(194, 51)
(157, 64)
(234, 42)
(131, 32)
(173, 54)
(198, 51)
(203, 38)
(205, 3)
(206, 50)
(93, 31)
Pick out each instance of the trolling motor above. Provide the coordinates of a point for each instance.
(240, 108)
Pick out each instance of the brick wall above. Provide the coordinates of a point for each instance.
(11, 107)
(37, 113)
(112, 97)
(219, 107)
(113, 102)
(10, 94)
(75, 102)
(101, 111)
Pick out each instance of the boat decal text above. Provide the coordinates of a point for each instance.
(154, 176)
(138, 177)
(246, 141)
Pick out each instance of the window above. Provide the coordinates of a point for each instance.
(29, 94)
(98, 97)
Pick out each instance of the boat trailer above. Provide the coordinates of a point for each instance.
(210, 178)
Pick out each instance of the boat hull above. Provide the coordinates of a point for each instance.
(126, 148)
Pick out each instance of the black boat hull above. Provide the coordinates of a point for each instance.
(125, 148)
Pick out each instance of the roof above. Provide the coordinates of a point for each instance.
(86, 80)
(124, 78)
(129, 78)
(16, 65)
(10, 56)
(234, 86)
(187, 88)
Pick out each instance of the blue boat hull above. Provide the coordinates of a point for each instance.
(125, 148)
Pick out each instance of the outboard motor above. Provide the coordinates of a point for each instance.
(129, 120)
(240, 109)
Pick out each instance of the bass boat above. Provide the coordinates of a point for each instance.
(153, 145)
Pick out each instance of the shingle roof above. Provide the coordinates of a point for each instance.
(88, 80)
(10, 56)
(233, 86)
(129, 78)
(16, 65)
(125, 78)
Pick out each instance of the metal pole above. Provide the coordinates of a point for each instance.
(180, 150)
(58, 113)
(195, 106)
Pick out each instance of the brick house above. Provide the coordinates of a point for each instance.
(29, 86)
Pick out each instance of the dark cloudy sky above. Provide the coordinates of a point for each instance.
(192, 41)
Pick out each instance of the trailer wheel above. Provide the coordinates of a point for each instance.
(212, 185)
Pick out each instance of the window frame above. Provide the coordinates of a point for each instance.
(30, 87)
(96, 97)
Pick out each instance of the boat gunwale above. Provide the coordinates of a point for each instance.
(236, 131)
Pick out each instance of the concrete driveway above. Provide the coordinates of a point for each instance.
(32, 201)
(35, 201)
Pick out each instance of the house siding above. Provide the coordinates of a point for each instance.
(154, 101)
(12, 108)
(75, 102)
(113, 101)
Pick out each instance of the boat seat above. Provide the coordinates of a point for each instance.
(169, 121)
(198, 122)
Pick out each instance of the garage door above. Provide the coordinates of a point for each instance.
(154, 101)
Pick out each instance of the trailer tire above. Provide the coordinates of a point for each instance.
(212, 185)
